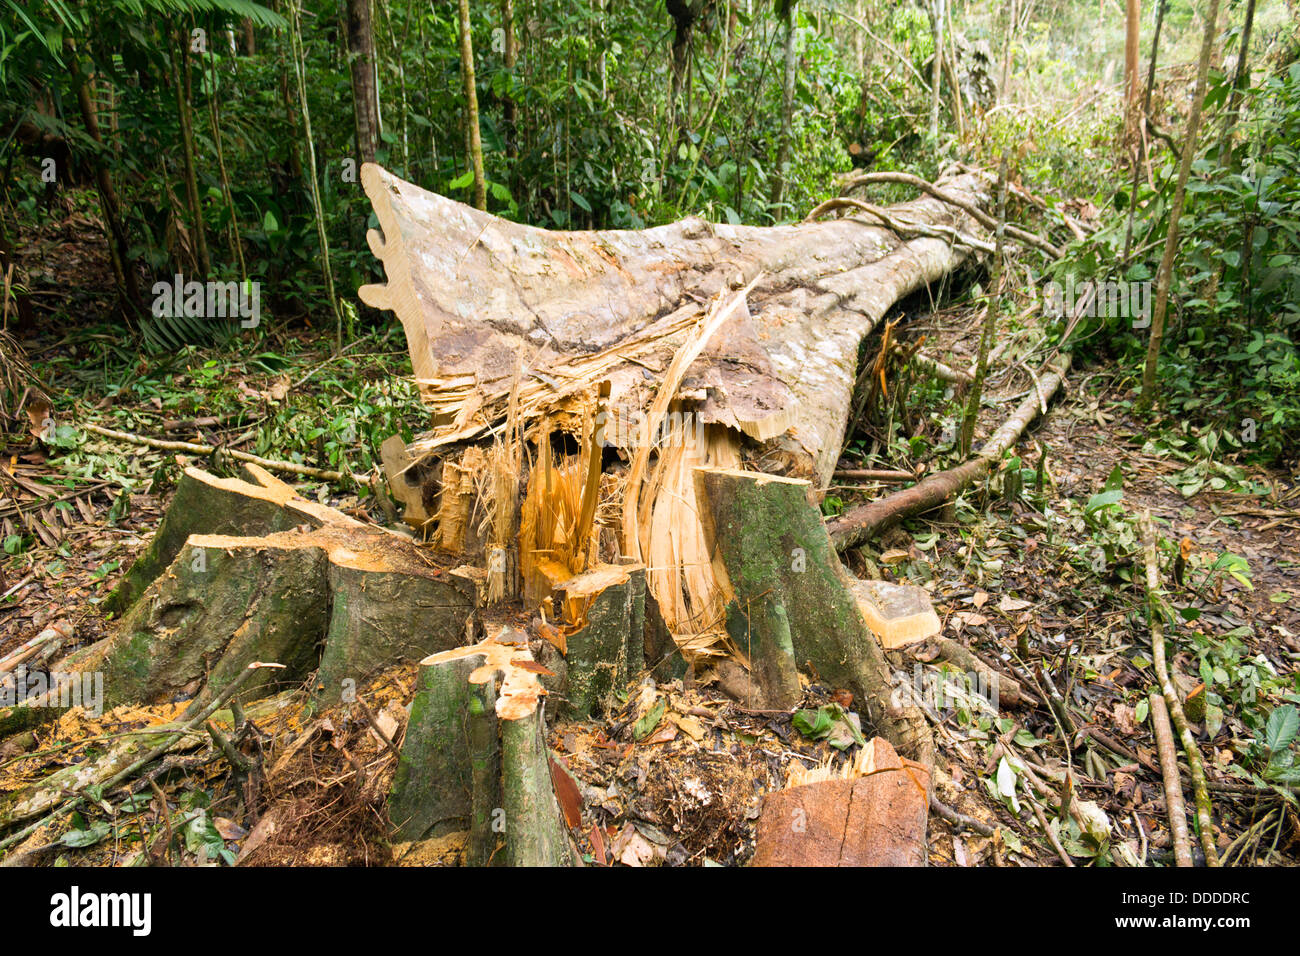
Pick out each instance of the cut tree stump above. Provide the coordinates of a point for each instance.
(434, 786)
(877, 817)
(603, 633)
(898, 614)
(790, 601)
(224, 584)
(475, 758)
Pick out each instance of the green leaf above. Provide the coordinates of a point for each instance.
(88, 837)
(813, 724)
(1102, 500)
(460, 182)
(1283, 724)
(646, 725)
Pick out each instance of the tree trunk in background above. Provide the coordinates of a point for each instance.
(990, 319)
(299, 71)
(214, 115)
(1006, 50)
(473, 138)
(181, 79)
(127, 284)
(935, 9)
(509, 56)
(1143, 122)
(1165, 276)
(787, 106)
(684, 14)
(361, 50)
(1132, 88)
(1240, 80)
(26, 316)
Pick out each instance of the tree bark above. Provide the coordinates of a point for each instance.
(935, 9)
(181, 81)
(789, 602)
(788, 80)
(1143, 124)
(509, 57)
(246, 570)
(1240, 81)
(589, 306)
(1132, 85)
(123, 270)
(361, 61)
(473, 137)
(990, 320)
(1164, 278)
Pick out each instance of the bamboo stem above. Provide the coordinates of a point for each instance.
(1204, 809)
(1173, 782)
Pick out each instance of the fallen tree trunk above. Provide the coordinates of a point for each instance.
(642, 334)
(484, 301)
(859, 524)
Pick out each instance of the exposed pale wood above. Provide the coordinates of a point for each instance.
(405, 481)
(898, 614)
(473, 292)
(875, 816)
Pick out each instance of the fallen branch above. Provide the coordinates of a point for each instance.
(136, 766)
(858, 524)
(190, 448)
(940, 370)
(1173, 783)
(960, 820)
(1204, 809)
(874, 474)
(906, 229)
(979, 215)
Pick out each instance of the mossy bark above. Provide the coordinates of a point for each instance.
(381, 616)
(203, 504)
(222, 604)
(433, 787)
(331, 592)
(535, 832)
(770, 539)
(609, 649)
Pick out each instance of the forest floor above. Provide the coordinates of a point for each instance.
(1037, 580)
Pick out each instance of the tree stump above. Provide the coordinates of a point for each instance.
(476, 758)
(224, 583)
(789, 600)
